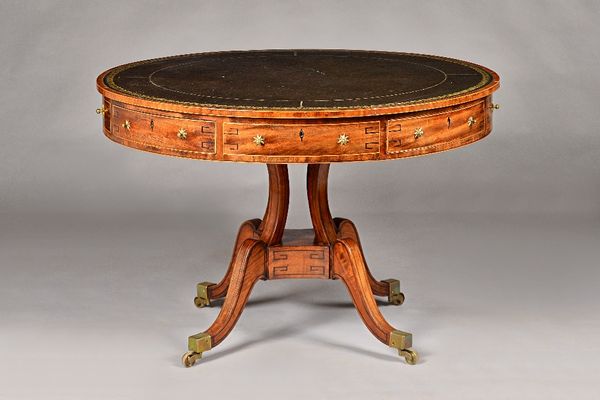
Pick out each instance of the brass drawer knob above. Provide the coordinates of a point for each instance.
(418, 133)
(471, 121)
(102, 110)
(258, 140)
(343, 139)
(182, 134)
(127, 124)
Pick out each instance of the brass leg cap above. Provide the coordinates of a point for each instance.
(410, 356)
(189, 358)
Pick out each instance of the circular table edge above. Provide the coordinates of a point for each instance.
(282, 112)
(390, 132)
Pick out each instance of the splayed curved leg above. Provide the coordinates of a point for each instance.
(249, 265)
(387, 287)
(208, 291)
(348, 265)
(269, 230)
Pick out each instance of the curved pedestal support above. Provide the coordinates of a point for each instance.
(348, 266)
(207, 291)
(269, 230)
(318, 203)
(249, 266)
(262, 252)
(388, 287)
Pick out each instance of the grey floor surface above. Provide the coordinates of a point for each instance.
(100, 308)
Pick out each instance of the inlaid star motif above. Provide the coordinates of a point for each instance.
(127, 125)
(343, 139)
(258, 140)
(419, 132)
(471, 121)
(182, 134)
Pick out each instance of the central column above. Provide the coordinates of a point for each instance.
(318, 204)
(273, 223)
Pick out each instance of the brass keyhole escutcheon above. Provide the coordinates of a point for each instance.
(418, 133)
(182, 134)
(258, 140)
(343, 139)
(301, 134)
(127, 124)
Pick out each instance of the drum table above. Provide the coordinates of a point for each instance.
(297, 106)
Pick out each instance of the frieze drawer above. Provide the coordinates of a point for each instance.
(425, 132)
(300, 140)
(163, 132)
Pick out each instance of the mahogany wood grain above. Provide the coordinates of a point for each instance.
(331, 250)
(213, 138)
(248, 230)
(273, 223)
(308, 139)
(318, 203)
(348, 266)
(302, 260)
(347, 230)
(249, 266)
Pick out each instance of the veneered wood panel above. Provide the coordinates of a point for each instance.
(301, 139)
(436, 129)
(287, 262)
(163, 132)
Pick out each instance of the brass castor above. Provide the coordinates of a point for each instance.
(397, 299)
(200, 303)
(410, 356)
(202, 298)
(395, 296)
(197, 344)
(189, 358)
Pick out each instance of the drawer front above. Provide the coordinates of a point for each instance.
(426, 132)
(300, 140)
(163, 132)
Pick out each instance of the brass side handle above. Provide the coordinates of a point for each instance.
(495, 106)
(182, 134)
(101, 110)
(258, 140)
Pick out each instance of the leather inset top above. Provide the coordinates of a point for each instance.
(297, 79)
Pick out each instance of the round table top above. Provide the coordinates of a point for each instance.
(350, 82)
(297, 106)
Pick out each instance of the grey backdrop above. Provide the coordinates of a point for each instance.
(497, 244)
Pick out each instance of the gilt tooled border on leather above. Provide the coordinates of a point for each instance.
(109, 81)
